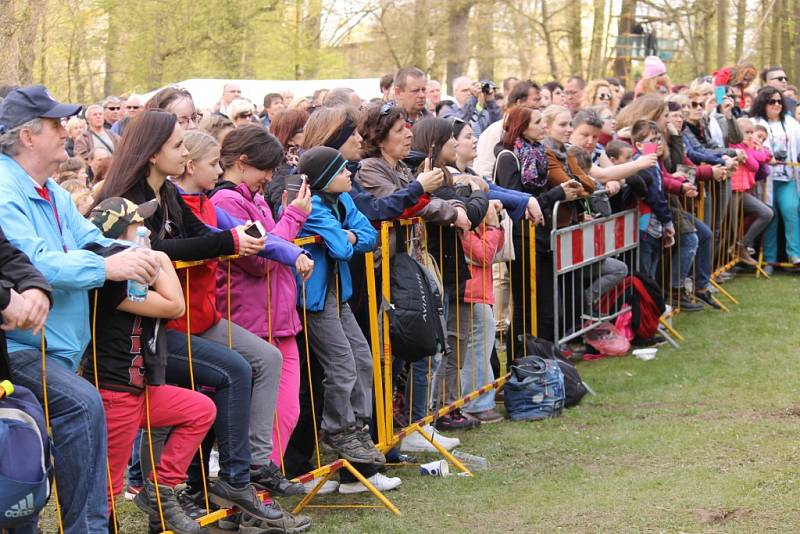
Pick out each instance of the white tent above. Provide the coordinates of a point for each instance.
(207, 91)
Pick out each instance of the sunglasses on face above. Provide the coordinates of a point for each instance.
(245, 115)
(697, 105)
(131, 108)
(604, 96)
(775, 103)
(113, 108)
(780, 78)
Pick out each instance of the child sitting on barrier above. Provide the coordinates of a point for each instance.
(129, 367)
(333, 333)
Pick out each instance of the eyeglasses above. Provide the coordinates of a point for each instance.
(779, 78)
(387, 107)
(245, 115)
(113, 108)
(131, 108)
(604, 96)
(195, 118)
(697, 105)
(775, 102)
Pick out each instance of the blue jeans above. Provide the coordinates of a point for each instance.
(227, 371)
(786, 203)
(135, 477)
(79, 438)
(702, 258)
(649, 254)
(476, 361)
(683, 254)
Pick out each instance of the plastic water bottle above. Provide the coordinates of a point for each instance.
(137, 292)
(471, 461)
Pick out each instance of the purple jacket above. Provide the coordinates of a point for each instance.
(265, 314)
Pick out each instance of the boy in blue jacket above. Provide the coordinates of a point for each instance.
(333, 333)
(655, 222)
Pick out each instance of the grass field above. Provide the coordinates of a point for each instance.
(702, 439)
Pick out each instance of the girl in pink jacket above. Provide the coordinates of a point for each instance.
(263, 293)
(480, 248)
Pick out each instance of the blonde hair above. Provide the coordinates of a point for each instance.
(590, 93)
(75, 122)
(214, 125)
(681, 100)
(238, 106)
(699, 87)
(73, 186)
(551, 112)
(198, 144)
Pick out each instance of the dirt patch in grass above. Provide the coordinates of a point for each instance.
(715, 517)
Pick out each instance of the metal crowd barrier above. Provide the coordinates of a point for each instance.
(579, 253)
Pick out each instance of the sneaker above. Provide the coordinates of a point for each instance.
(455, 420)
(795, 260)
(744, 255)
(175, 518)
(653, 341)
(245, 499)
(487, 416)
(287, 524)
(213, 463)
(330, 486)
(379, 480)
(685, 303)
(192, 503)
(366, 441)
(414, 442)
(230, 523)
(269, 477)
(131, 492)
(348, 446)
(706, 296)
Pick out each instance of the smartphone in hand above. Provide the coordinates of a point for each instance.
(256, 230)
(293, 185)
(649, 148)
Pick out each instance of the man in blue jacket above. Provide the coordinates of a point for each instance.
(40, 219)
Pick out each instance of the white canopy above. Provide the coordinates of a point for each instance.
(207, 91)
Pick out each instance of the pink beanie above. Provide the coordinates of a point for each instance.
(653, 67)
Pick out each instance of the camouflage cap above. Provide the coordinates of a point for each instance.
(113, 215)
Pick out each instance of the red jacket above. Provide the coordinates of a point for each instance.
(480, 248)
(201, 306)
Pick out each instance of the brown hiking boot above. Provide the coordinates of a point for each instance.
(744, 255)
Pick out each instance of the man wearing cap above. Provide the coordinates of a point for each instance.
(39, 218)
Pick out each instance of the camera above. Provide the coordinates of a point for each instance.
(487, 86)
(780, 155)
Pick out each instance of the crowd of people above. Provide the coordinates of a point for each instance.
(207, 377)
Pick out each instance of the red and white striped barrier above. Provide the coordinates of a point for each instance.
(585, 243)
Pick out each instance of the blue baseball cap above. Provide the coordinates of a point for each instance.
(32, 102)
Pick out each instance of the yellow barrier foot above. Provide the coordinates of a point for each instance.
(668, 327)
(444, 452)
(724, 292)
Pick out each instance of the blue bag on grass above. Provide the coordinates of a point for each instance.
(535, 390)
(24, 457)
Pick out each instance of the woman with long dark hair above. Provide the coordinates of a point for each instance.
(152, 149)
(783, 140)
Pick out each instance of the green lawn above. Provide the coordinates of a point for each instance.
(700, 439)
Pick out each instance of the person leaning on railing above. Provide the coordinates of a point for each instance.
(152, 149)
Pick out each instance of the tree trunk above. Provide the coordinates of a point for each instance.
(419, 35)
(26, 40)
(548, 41)
(598, 29)
(723, 22)
(485, 39)
(796, 50)
(706, 28)
(622, 63)
(313, 31)
(775, 34)
(112, 47)
(786, 23)
(457, 39)
(741, 14)
(575, 39)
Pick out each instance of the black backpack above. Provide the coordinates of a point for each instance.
(416, 314)
(574, 387)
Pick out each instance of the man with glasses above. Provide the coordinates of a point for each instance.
(230, 92)
(131, 108)
(112, 111)
(475, 104)
(776, 77)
